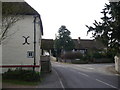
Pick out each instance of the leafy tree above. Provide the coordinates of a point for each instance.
(63, 41)
(108, 30)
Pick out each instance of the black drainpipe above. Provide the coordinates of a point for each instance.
(34, 41)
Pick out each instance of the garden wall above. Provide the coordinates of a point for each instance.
(102, 60)
(117, 64)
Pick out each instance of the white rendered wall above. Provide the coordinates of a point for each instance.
(12, 0)
(14, 52)
(0, 34)
(0, 45)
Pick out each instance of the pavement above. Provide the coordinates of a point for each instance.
(51, 80)
(111, 69)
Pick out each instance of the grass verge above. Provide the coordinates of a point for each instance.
(27, 83)
(22, 77)
(18, 82)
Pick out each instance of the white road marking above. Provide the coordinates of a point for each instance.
(59, 80)
(117, 74)
(80, 72)
(105, 83)
(90, 68)
(59, 65)
(99, 80)
(84, 74)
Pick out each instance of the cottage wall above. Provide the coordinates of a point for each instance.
(12, 0)
(117, 64)
(0, 31)
(14, 52)
(0, 44)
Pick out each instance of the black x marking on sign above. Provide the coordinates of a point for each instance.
(26, 40)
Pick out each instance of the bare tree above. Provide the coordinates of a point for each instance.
(11, 13)
(8, 22)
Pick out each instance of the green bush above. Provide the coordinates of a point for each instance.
(98, 55)
(72, 55)
(24, 75)
(103, 57)
(80, 61)
(75, 57)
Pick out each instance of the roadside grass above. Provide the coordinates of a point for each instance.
(22, 77)
(20, 82)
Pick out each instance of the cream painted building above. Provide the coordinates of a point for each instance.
(0, 31)
(12, 0)
(24, 37)
(0, 44)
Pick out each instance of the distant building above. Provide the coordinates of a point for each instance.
(86, 45)
(81, 45)
(20, 48)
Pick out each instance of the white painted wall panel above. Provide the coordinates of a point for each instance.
(14, 52)
(0, 45)
(12, 0)
(0, 34)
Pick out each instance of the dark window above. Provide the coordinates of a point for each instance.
(30, 54)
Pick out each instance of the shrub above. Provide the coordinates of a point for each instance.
(79, 61)
(72, 55)
(103, 57)
(23, 75)
(98, 55)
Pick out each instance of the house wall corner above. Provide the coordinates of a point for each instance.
(0, 44)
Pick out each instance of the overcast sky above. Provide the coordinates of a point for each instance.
(74, 14)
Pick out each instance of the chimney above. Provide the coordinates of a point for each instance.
(79, 40)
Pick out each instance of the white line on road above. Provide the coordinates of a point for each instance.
(90, 68)
(117, 74)
(86, 67)
(84, 74)
(105, 83)
(80, 73)
(59, 65)
(59, 80)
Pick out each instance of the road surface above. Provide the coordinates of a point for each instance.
(86, 76)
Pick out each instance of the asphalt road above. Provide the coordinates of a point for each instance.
(86, 76)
